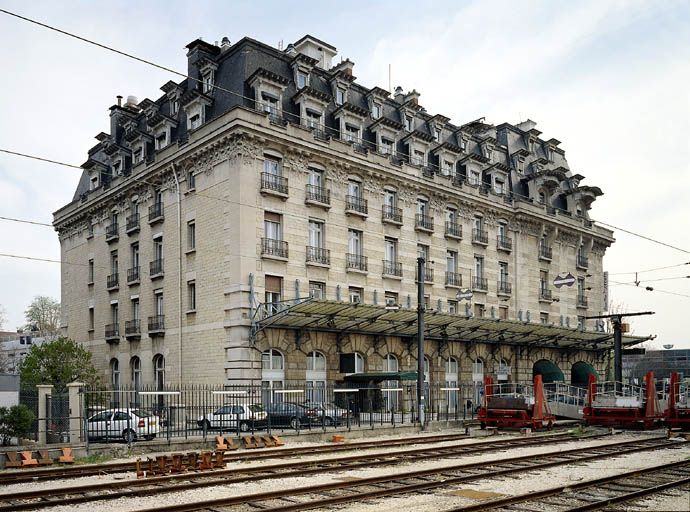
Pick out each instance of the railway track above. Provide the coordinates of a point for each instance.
(595, 494)
(175, 483)
(310, 497)
(32, 475)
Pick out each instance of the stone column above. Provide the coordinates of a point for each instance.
(75, 413)
(44, 391)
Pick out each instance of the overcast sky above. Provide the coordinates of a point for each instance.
(609, 79)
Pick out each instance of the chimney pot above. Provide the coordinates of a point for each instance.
(119, 100)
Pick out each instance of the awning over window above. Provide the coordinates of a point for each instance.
(346, 318)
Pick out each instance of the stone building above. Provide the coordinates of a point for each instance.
(260, 222)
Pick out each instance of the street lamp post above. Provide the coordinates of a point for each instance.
(420, 340)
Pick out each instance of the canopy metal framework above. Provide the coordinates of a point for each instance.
(343, 318)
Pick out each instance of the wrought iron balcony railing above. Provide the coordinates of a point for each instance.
(504, 243)
(132, 223)
(156, 323)
(356, 262)
(111, 232)
(504, 287)
(132, 328)
(391, 214)
(316, 194)
(133, 275)
(318, 255)
(392, 268)
(156, 212)
(480, 283)
(272, 247)
(424, 222)
(274, 183)
(480, 236)
(156, 268)
(113, 281)
(356, 204)
(453, 279)
(453, 230)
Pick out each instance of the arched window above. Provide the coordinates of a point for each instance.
(478, 370)
(391, 395)
(115, 373)
(159, 371)
(503, 373)
(272, 375)
(316, 377)
(135, 369)
(391, 363)
(359, 363)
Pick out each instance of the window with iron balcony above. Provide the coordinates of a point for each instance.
(274, 184)
(424, 222)
(480, 236)
(318, 255)
(132, 275)
(545, 251)
(317, 194)
(132, 327)
(453, 229)
(273, 247)
(111, 232)
(156, 212)
(356, 204)
(156, 323)
(453, 279)
(504, 243)
(391, 214)
(356, 262)
(504, 287)
(480, 283)
(156, 268)
(392, 268)
(133, 223)
(113, 281)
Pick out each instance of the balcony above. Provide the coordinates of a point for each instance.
(356, 262)
(156, 268)
(503, 287)
(276, 249)
(318, 196)
(453, 279)
(133, 328)
(111, 233)
(582, 301)
(479, 236)
(273, 184)
(503, 243)
(156, 212)
(480, 284)
(424, 222)
(133, 275)
(545, 252)
(453, 230)
(582, 261)
(318, 255)
(132, 225)
(157, 324)
(112, 333)
(427, 171)
(428, 275)
(391, 215)
(545, 294)
(392, 268)
(113, 281)
(356, 205)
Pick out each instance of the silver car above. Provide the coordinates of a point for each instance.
(126, 424)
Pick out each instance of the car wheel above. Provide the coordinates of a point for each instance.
(328, 421)
(129, 436)
(244, 426)
(295, 423)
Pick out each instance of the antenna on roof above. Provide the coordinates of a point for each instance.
(390, 87)
(280, 44)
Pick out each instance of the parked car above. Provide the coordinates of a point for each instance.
(288, 414)
(227, 416)
(329, 413)
(126, 424)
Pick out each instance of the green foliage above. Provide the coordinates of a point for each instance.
(58, 362)
(94, 458)
(15, 421)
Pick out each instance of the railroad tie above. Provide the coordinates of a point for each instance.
(177, 466)
(268, 442)
(162, 464)
(219, 460)
(140, 469)
(66, 457)
(193, 461)
(12, 460)
(28, 459)
(206, 461)
(250, 442)
(44, 458)
(231, 444)
(221, 444)
(277, 441)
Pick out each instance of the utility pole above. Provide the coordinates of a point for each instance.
(420, 340)
(617, 321)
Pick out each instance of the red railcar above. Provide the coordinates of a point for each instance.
(515, 405)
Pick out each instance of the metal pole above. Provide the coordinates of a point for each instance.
(420, 340)
(617, 351)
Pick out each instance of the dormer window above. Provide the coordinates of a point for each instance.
(418, 157)
(351, 132)
(474, 178)
(162, 140)
(499, 187)
(93, 185)
(117, 168)
(174, 107)
(313, 118)
(386, 147)
(339, 96)
(207, 81)
(447, 168)
(138, 155)
(269, 103)
(375, 111)
(194, 121)
(302, 79)
(437, 135)
(409, 123)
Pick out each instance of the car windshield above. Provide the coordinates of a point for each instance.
(142, 413)
(256, 408)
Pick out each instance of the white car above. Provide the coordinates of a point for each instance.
(126, 424)
(227, 417)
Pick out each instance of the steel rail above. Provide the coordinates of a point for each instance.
(267, 472)
(445, 476)
(29, 475)
(628, 477)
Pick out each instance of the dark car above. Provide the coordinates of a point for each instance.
(329, 413)
(287, 414)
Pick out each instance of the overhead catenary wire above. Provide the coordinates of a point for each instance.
(653, 290)
(25, 221)
(649, 270)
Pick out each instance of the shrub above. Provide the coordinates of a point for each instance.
(15, 421)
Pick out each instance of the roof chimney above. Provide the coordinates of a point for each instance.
(224, 43)
(119, 100)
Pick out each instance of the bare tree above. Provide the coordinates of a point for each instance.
(3, 316)
(43, 315)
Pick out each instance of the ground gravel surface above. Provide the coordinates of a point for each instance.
(436, 501)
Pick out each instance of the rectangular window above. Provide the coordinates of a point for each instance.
(503, 272)
(544, 318)
(356, 295)
(479, 266)
(437, 135)
(191, 235)
(94, 183)
(451, 261)
(339, 96)
(113, 262)
(114, 313)
(386, 146)
(134, 254)
(422, 207)
(423, 252)
(447, 169)
(355, 242)
(580, 287)
(453, 307)
(135, 309)
(479, 224)
(272, 226)
(479, 310)
(92, 319)
(194, 122)
(161, 140)
(375, 111)
(91, 268)
(419, 158)
(352, 133)
(503, 312)
(409, 123)
(191, 296)
(316, 234)
(391, 250)
(391, 299)
(543, 280)
(316, 178)
(138, 155)
(499, 187)
(207, 82)
(191, 181)
(317, 290)
(313, 118)
(390, 199)
(273, 287)
(474, 178)
(272, 166)
(158, 248)
(302, 79)
(117, 168)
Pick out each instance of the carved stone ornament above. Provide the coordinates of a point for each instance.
(233, 149)
(599, 247)
(529, 226)
(296, 163)
(568, 237)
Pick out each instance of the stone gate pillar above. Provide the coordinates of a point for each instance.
(75, 412)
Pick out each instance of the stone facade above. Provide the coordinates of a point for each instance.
(248, 170)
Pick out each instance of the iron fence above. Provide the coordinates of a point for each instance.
(127, 415)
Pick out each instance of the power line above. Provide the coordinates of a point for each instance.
(26, 221)
(649, 270)
(653, 290)
(38, 157)
(659, 279)
(643, 236)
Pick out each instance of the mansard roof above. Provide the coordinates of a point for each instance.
(269, 75)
